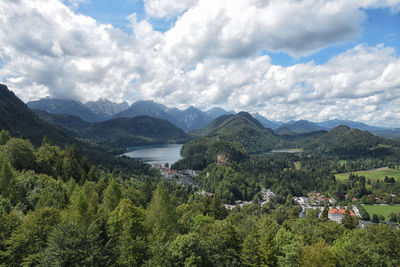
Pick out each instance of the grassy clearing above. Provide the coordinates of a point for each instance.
(384, 210)
(378, 174)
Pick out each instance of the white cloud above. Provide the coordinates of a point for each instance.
(207, 59)
(241, 28)
(166, 8)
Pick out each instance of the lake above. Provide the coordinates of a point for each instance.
(152, 154)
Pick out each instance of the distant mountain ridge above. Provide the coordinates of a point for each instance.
(216, 112)
(265, 122)
(298, 127)
(105, 106)
(70, 107)
(190, 118)
(140, 130)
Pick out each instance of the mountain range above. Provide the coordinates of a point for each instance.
(90, 137)
(241, 128)
(189, 119)
(140, 130)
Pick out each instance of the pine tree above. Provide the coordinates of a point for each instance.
(4, 137)
(112, 195)
(161, 215)
(7, 181)
(325, 213)
(92, 174)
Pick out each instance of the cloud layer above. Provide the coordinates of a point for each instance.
(211, 56)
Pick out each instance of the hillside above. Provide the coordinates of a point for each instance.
(350, 143)
(125, 132)
(20, 121)
(139, 130)
(243, 129)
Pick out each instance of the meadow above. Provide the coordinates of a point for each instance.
(377, 174)
(384, 210)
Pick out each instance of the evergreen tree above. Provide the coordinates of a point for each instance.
(375, 218)
(93, 174)
(325, 213)
(249, 254)
(112, 195)
(7, 181)
(126, 224)
(4, 137)
(161, 216)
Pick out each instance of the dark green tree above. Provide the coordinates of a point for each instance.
(325, 213)
(4, 137)
(375, 218)
(20, 154)
(7, 181)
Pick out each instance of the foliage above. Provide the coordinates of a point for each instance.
(200, 152)
(241, 128)
(57, 209)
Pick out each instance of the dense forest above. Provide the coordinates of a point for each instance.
(57, 209)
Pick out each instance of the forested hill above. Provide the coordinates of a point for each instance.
(347, 143)
(19, 120)
(139, 130)
(243, 129)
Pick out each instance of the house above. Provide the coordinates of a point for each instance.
(363, 224)
(337, 215)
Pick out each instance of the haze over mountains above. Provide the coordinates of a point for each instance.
(189, 119)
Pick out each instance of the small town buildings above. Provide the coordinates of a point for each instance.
(363, 224)
(337, 215)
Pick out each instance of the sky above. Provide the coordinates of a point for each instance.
(286, 59)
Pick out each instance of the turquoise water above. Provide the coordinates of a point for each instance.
(152, 154)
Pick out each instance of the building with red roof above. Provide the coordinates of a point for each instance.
(337, 215)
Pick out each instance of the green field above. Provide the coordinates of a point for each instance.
(384, 210)
(378, 174)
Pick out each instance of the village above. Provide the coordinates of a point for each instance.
(312, 202)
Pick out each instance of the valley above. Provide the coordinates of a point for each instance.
(210, 183)
(200, 133)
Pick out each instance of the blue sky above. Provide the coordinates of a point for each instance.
(381, 26)
(285, 59)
